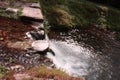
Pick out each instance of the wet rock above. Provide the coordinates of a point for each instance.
(52, 66)
(40, 45)
(41, 32)
(36, 35)
(32, 14)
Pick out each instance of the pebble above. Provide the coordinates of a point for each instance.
(17, 67)
(1, 39)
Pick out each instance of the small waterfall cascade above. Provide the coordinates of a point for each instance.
(77, 59)
(69, 57)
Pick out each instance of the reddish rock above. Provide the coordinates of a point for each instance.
(21, 44)
(32, 13)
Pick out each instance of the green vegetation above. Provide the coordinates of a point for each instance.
(45, 73)
(41, 73)
(71, 13)
(3, 70)
(9, 14)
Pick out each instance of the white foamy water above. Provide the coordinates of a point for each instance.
(71, 58)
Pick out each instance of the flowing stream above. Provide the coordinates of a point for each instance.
(73, 57)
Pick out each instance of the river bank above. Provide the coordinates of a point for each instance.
(16, 60)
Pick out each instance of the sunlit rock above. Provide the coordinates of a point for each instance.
(21, 44)
(40, 45)
(34, 14)
(12, 10)
(17, 67)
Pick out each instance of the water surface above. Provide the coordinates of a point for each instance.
(83, 53)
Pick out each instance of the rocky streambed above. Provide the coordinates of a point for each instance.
(21, 41)
(14, 44)
(20, 59)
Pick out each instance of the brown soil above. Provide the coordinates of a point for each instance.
(12, 41)
(13, 30)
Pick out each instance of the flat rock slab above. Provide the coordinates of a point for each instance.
(40, 45)
(32, 13)
(21, 44)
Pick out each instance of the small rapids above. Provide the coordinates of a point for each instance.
(75, 57)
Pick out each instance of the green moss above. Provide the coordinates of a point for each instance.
(44, 73)
(3, 70)
(44, 70)
(10, 14)
(80, 13)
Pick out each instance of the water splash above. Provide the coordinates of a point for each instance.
(46, 37)
(70, 58)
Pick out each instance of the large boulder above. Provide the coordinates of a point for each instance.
(40, 45)
(33, 14)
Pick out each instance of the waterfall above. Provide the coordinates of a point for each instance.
(70, 58)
